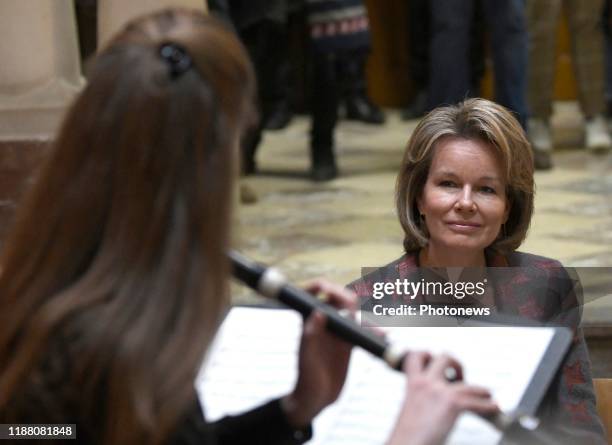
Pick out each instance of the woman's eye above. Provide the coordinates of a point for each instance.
(486, 189)
(447, 184)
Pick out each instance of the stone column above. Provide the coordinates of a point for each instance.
(114, 14)
(40, 70)
(40, 74)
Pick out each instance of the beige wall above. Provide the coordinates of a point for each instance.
(113, 14)
(40, 70)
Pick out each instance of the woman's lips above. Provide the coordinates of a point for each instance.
(463, 226)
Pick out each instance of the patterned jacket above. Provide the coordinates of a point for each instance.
(338, 25)
(535, 288)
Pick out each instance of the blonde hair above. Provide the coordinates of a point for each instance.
(475, 119)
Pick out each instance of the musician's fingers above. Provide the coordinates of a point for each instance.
(314, 324)
(443, 365)
(416, 362)
(334, 294)
(477, 404)
(376, 330)
(473, 391)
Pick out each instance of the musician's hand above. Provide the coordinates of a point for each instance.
(432, 404)
(323, 359)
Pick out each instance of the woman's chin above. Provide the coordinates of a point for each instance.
(465, 243)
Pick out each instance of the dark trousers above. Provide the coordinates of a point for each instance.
(325, 98)
(266, 43)
(449, 52)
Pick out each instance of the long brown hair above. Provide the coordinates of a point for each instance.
(119, 249)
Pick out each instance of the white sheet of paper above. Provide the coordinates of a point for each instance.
(254, 359)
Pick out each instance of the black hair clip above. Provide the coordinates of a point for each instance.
(176, 57)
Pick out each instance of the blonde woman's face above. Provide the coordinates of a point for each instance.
(464, 199)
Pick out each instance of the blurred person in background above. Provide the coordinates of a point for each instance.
(587, 46)
(419, 40)
(450, 74)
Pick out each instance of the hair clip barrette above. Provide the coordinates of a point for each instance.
(176, 57)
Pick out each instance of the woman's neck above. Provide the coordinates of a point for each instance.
(430, 256)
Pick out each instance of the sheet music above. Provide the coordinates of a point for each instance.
(254, 359)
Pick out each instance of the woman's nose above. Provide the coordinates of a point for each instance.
(465, 201)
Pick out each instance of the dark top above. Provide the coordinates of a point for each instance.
(265, 425)
(536, 288)
(245, 13)
(51, 396)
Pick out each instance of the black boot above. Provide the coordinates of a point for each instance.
(249, 144)
(323, 163)
(279, 116)
(353, 85)
(360, 108)
(324, 117)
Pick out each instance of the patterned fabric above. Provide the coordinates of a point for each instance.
(337, 25)
(540, 289)
(587, 46)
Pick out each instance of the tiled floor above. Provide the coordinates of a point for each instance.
(333, 229)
